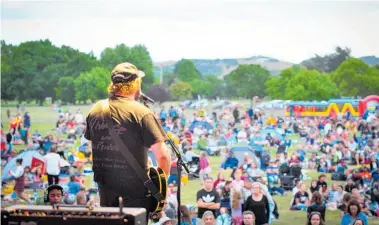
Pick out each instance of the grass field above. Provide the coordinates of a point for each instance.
(44, 118)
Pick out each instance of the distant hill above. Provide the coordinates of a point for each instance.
(222, 67)
(370, 60)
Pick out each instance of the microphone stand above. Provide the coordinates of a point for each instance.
(179, 164)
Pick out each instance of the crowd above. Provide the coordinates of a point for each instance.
(249, 176)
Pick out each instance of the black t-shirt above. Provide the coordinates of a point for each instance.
(350, 187)
(313, 189)
(207, 197)
(225, 193)
(261, 209)
(304, 197)
(138, 128)
(323, 185)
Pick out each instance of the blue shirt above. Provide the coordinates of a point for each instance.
(163, 115)
(73, 187)
(173, 113)
(347, 219)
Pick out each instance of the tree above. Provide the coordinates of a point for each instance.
(276, 86)
(247, 81)
(180, 91)
(328, 63)
(158, 93)
(186, 71)
(92, 85)
(35, 67)
(66, 90)
(355, 78)
(301, 84)
(137, 55)
(8, 89)
(310, 85)
(168, 79)
(210, 86)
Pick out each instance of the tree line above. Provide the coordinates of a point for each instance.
(35, 70)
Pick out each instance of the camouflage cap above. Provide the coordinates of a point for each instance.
(125, 72)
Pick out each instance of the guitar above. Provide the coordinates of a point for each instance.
(159, 179)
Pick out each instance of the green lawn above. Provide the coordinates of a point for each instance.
(44, 118)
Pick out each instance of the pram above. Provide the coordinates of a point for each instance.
(194, 168)
(289, 175)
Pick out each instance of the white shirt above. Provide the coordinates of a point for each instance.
(79, 118)
(18, 172)
(327, 128)
(52, 162)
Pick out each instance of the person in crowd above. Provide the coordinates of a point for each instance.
(224, 217)
(359, 222)
(236, 205)
(353, 212)
(219, 181)
(237, 183)
(322, 185)
(207, 199)
(52, 162)
(301, 199)
(315, 218)
(246, 190)
(204, 167)
(258, 204)
(208, 218)
(248, 218)
(167, 221)
(316, 205)
(155, 217)
(73, 186)
(314, 187)
(350, 185)
(18, 175)
(28, 177)
(185, 215)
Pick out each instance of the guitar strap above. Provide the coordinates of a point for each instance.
(141, 173)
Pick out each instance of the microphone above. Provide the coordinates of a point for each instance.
(146, 98)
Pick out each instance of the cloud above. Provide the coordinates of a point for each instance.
(172, 30)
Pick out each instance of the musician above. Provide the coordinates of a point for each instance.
(54, 194)
(138, 129)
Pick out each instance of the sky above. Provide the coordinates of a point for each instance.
(209, 29)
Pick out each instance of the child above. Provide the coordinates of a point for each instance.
(224, 217)
(236, 202)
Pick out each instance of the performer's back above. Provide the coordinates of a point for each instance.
(139, 129)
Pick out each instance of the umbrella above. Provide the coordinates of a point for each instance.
(29, 158)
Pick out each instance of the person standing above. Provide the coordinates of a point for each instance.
(19, 186)
(207, 199)
(138, 129)
(52, 162)
(259, 205)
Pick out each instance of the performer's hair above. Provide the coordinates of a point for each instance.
(124, 88)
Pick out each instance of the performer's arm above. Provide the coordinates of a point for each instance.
(162, 155)
(154, 137)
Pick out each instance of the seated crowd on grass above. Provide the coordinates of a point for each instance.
(345, 148)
